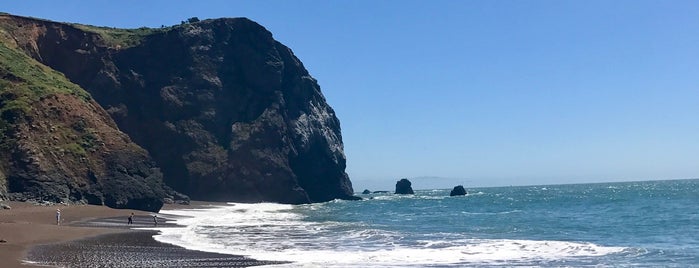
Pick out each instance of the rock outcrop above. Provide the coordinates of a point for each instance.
(59, 145)
(404, 186)
(458, 190)
(366, 191)
(226, 112)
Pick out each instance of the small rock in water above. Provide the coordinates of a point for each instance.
(366, 191)
(403, 186)
(458, 190)
(5, 206)
(3, 241)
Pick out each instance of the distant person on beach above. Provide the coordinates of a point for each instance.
(131, 218)
(155, 220)
(58, 216)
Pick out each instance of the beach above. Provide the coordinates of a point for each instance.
(91, 236)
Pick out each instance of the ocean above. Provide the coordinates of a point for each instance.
(630, 224)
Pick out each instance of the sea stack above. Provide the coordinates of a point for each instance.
(403, 186)
(458, 190)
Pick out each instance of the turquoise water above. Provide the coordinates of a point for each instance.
(652, 223)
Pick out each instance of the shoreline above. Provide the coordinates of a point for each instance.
(135, 248)
(31, 234)
(26, 225)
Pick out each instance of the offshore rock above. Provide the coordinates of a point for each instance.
(366, 191)
(403, 186)
(458, 190)
(226, 112)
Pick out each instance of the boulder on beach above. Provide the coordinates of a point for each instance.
(403, 186)
(458, 190)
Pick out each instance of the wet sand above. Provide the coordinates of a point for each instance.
(26, 225)
(95, 236)
(131, 249)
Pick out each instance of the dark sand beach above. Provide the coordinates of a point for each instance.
(95, 236)
(130, 249)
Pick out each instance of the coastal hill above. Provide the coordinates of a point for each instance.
(215, 109)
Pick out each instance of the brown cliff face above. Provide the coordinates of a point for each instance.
(79, 154)
(226, 112)
(59, 145)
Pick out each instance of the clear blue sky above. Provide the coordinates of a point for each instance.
(483, 92)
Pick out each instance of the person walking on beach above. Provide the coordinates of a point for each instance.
(130, 218)
(155, 219)
(58, 216)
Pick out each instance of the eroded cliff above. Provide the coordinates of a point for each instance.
(59, 145)
(226, 112)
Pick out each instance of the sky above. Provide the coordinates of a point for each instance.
(479, 93)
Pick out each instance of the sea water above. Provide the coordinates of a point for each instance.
(654, 223)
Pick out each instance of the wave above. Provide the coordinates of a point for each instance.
(492, 213)
(474, 252)
(409, 196)
(280, 233)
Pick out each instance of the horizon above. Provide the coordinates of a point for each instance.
(502, 93)
(418, 188)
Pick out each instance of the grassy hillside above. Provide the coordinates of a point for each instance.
(23, 82)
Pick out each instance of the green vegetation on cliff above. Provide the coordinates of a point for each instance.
(223, 111)
(57, 143)
(30, 80)
(23, 81)
(121, 38)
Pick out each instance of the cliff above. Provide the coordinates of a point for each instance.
(226, 112)
(58, 145)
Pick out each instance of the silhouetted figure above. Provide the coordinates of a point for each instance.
(58, 216)
(155, 220)
(130, 218)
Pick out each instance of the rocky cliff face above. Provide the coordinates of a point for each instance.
(226, 112)
(59, 145)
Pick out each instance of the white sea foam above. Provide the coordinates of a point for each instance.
(277, 232)
(409, 196)
(491, 213)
